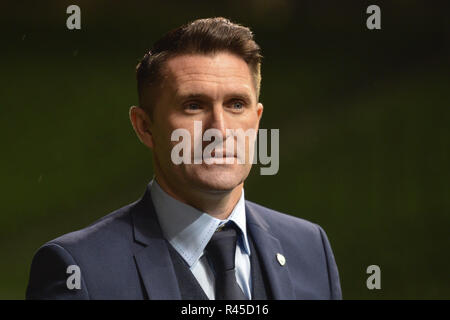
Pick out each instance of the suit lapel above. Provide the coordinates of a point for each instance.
(152, 257)
(156, 268)
(268, 247)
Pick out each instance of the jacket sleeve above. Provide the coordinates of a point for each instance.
(333, 274)
(49, 275)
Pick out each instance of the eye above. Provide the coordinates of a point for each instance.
(192, 106)
(237, 105)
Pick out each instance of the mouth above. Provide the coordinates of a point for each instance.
(224, 153)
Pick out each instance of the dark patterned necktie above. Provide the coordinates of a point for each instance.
(221, 251)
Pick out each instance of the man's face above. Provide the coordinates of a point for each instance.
(217, 90)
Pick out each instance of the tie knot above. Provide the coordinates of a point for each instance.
(221, 249)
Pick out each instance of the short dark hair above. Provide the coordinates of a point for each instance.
(204, 36)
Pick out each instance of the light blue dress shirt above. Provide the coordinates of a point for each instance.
(189, 230)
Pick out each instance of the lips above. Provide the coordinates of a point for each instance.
(224, 154)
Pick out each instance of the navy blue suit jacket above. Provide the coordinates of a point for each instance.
(125, 256)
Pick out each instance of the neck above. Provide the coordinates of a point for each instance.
(218, 204)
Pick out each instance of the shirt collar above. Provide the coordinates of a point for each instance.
(188, 229)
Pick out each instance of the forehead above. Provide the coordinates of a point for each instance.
(198, 72)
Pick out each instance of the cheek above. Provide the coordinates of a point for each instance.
(187, 125)
(161, 138)
(176, 120)
(250, 121)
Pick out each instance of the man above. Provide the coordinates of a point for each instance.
(192, 235)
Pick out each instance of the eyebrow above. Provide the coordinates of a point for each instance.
(201, 96)
(193, 96)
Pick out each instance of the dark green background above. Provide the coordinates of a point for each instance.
(363, 118)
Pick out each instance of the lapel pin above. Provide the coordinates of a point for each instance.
(281, 259)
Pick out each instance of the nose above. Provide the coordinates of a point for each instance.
(217, 120)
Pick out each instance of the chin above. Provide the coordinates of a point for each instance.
(219, 178)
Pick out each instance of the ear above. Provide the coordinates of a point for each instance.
(142, 125)
(259, 111)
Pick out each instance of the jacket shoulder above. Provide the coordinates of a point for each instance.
(279, 221)
(107, 231)
(93, 250)
(307, 248)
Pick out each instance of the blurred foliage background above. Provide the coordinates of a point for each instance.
(363, 118)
